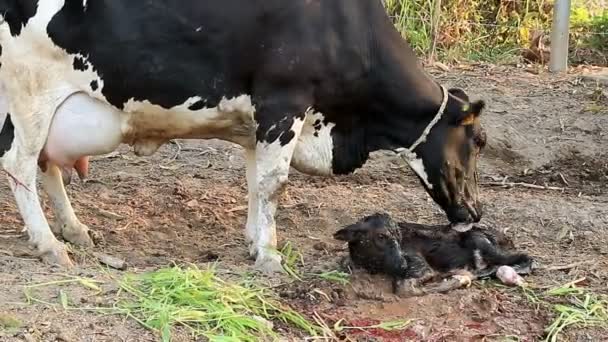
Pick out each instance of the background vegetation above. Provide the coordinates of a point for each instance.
(498, 30)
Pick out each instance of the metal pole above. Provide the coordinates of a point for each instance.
(559, 36)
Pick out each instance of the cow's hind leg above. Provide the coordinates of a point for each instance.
(252, 212)
(280, 119)
(21, 163)
(70, 227)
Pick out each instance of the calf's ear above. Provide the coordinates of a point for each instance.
(350, 234)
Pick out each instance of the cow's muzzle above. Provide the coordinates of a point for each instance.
(465, 213)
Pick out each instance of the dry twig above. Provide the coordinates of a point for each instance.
(523, 185)
(566, 267)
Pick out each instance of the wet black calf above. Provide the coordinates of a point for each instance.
(413, 251)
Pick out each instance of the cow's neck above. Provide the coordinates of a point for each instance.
(410, 98)
(398, 124)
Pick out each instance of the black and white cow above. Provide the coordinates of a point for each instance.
(313, 84)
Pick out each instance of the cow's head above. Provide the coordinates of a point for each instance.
(449, 158)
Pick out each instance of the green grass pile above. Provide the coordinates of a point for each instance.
(206, 305)
(571, 306)
(581, 309)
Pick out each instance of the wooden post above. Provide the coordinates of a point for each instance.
(435, 20)
(559, 36)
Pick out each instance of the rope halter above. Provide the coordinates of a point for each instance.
(408, 154)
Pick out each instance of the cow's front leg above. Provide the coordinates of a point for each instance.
(70, 227)
(279, 122)
(21, 163)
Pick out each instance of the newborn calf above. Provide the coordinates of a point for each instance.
(413, 251)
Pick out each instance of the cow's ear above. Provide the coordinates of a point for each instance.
(459, 93)
(469, 112)
(351, 233)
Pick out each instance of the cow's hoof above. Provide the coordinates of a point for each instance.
(78, 235)
(253, 251)
(269, 263)
(57, 255)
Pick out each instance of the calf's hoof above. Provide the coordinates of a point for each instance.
(78, 235)
(269, 262)
(57, 255)
(464, 278)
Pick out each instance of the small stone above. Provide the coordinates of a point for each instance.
(29, 338)
(320, 246)
(192, 203)
(63, 337)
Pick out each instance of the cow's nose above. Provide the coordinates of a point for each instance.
(459, 214)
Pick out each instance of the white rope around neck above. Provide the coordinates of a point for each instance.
(408, 154)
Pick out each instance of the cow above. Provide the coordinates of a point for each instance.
(316, 85)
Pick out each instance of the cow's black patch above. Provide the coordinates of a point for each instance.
(7, 135)
(80, 64)
(94, 85)
(17, 13)
(198, 105)
(137, 61)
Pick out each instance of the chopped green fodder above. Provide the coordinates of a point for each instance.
(581, 309)
(207, 306)
(396, 325)
(335, 276)
(572, 307)
(292, 258)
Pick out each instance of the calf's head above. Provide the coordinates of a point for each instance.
(449, 158)
(374, 244)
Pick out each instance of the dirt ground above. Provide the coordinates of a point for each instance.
(190, 206)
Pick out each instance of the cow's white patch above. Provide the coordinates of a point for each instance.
(272, 162)
(313, 153)
(147, 126)
(87, 77)
(417, 165)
